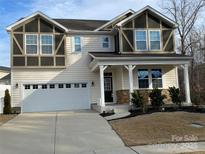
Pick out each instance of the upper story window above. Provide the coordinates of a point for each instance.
(154, 39)
(77, 44)
(46, 44)
(31, 43)
(143, 43)
(106, 42)
(141, 40)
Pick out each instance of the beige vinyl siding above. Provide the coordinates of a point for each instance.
(91, 43)
(77, 69)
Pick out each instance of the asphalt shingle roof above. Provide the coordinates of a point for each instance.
(81, 24)
(114, 54)
(3, 68)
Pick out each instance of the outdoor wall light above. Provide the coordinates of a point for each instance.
(17, 85)
(92, 83)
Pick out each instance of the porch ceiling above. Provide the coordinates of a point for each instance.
(112, 58)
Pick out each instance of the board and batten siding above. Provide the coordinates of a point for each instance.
(77, 69)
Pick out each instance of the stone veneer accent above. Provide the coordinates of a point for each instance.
(123, 96)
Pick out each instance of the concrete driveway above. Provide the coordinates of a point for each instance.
(79, 132)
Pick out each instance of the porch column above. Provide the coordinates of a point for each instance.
(130, 72)
(186, 82)
(102, 94)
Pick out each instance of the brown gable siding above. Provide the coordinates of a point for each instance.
(36, 25)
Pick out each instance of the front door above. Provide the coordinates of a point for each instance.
(108, 87)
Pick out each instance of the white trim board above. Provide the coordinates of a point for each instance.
(152, 10)
(9, 28)
(114, 19)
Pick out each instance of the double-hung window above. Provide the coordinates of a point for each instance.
(143, 78)
(105, 43)
(154, 39)
(77, 44)
(31, 43)
(150, 78)
(156, 78)
(141, 40)
(46, 44)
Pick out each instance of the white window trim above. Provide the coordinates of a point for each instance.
(160, 45)
(136, 39)
(47, 44)
(73, 44)
(150, 79)
(148, 48)
(108, 42)
(25, 36)
(156, 78)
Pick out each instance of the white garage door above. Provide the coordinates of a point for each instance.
(55, 97)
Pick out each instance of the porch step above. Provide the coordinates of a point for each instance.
(118, 108)
(117, 116)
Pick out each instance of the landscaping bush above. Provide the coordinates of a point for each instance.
(156, 98)
(137, 101)
(7, 102)
(175, 95)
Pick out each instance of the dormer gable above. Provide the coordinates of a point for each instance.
(111, 24)
(154, 17)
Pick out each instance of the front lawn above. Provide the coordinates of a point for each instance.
(5, 118)
(160, 127)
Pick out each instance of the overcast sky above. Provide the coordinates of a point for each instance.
(12, 10)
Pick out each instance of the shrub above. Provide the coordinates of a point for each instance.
(137, 100)
(175, 95)
(7, 102)
(156, 98)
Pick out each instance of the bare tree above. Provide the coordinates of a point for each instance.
(185, 13)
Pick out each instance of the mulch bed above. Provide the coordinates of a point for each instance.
(7, 117)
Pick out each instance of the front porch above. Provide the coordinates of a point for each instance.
(121, 75)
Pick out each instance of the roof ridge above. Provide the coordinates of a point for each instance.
(79, 19)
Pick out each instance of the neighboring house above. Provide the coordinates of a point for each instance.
(65, 64)
(5, 82)
(5, 77)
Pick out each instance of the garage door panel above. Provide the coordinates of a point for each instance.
(55, 99)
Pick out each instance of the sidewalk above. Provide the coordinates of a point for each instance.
(171, 148)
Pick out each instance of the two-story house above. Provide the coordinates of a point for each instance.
(66, 64)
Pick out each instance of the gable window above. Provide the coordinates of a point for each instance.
(141, 39)
(46, 44)
(143, 78)
(156, 78)
(77, 44)
(31, 43)
(105, 43)
(154, 39)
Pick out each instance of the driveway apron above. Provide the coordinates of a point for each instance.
(73, 132)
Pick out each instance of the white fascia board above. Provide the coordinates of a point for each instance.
(9, 28)
(143, 58)
(114, 19)
(94, 64)
(151, 9)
